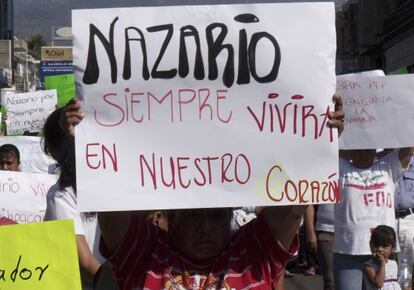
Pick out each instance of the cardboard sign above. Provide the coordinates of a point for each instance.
(378, 111)
(27, 112)
(205, 106)
(64, 85)
(23, 195)
(32, 157)
(39, 256)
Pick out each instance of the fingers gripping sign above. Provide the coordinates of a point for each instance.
(71, 117)
(336, 118)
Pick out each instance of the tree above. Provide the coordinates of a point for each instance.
(34, 44)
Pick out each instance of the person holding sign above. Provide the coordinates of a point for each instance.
(61, 198)
(367, 183)
(9, 158)
(198, 251)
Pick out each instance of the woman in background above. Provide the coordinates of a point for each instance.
(62, 202)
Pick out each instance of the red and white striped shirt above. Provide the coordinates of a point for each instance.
(254, 259)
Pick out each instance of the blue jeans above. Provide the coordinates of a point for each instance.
(348, 271)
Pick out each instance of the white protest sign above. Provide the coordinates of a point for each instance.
(378, 111)
(205, 106)
(27, 112)
(23, 195)
(32, 157)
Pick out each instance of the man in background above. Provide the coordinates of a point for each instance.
(9, 158)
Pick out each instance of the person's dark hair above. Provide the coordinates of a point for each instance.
(10, 148)
(62, 148)
(383, 236)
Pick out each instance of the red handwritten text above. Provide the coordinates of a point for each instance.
(276, 117)
(98, 154)
(173, 172)
(141, 107)
(302, 191)
(378, 199)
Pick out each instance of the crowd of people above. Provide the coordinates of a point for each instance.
(345, 234)
(354, 243)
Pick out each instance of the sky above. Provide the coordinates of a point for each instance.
(38, 16)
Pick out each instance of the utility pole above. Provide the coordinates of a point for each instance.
(11, 36)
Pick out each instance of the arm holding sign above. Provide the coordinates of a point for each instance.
(86, 258)
(62, 197)
(71, 116)
(61, 205)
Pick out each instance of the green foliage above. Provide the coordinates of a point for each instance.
(34, 44)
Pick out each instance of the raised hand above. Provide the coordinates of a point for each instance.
(70, 117)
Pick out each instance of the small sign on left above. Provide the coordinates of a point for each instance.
(27, 112)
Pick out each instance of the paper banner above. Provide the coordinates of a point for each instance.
(23, 195)
(205, 106)
(27, 112)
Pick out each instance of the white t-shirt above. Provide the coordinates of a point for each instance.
(367, 200)
(61, 204)
(325, 218)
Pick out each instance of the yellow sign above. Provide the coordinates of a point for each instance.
(39, 256)
(57, 53)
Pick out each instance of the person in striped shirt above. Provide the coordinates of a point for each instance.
(198, 251)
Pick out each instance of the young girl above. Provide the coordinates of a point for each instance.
(380, 273)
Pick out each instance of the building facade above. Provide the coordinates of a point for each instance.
(6, 19)
(375, 34)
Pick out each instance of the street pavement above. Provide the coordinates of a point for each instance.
(302, 282)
